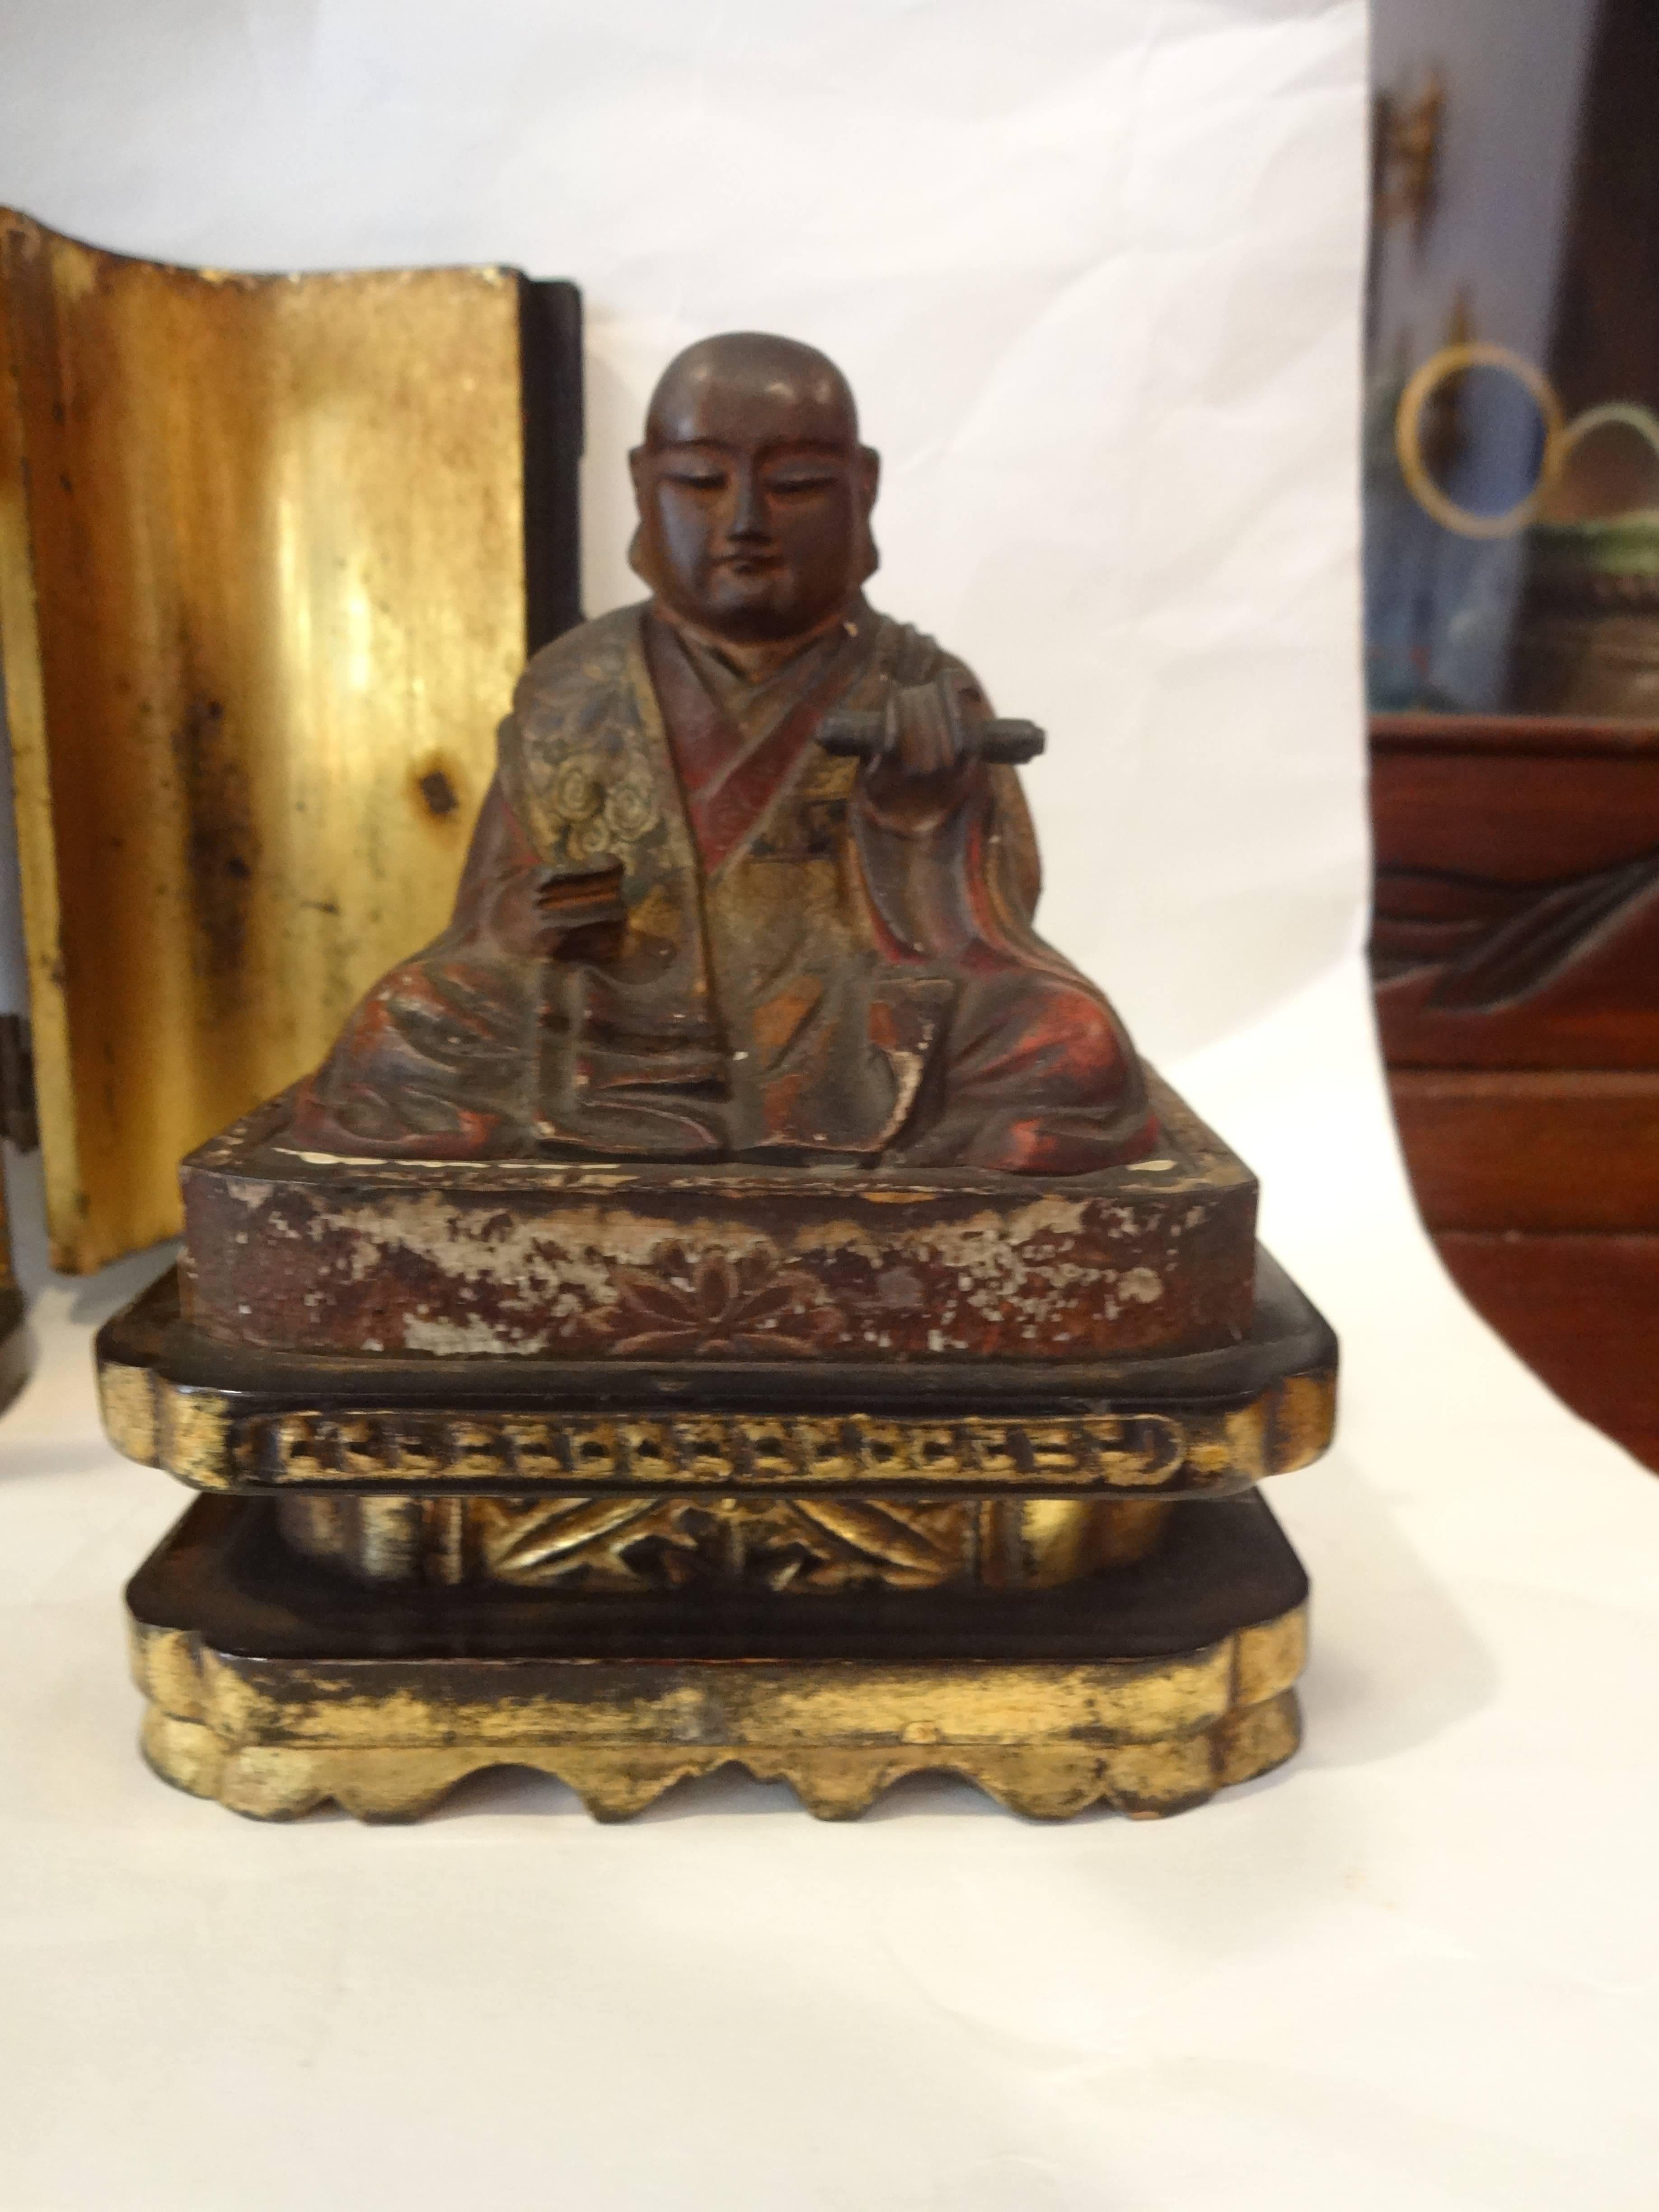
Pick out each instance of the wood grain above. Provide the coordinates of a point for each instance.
(1570, 738)
(1517, 944)
(1517, 905)
(1513, 816)
(1544, 1150)
(1582, 1311)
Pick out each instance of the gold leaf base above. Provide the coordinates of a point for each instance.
(385, 1737)
(388, 1781)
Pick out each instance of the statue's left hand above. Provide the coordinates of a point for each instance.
(929, 758)
(568, 906)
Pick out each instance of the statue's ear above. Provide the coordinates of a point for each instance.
(638, 559)
(867, 559)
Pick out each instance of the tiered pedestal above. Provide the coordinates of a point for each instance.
(626, 1474)
(304, 1636)
(275, 1692)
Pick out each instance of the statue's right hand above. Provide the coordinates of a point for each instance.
(928, 758)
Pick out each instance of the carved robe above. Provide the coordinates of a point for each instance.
(796, 977)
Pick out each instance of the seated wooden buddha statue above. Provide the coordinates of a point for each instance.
(686, 931)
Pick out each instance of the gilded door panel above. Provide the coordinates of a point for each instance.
(262, 594)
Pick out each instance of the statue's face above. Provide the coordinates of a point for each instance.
(754, 497)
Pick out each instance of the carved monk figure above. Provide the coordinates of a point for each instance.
(686, 931)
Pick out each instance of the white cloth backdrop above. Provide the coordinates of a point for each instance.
(1093, 267)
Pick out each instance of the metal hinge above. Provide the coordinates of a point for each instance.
(19, 1122)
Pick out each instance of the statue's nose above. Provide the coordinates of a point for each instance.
(749, 516)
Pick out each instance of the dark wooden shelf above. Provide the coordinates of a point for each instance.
(1558, 735)
(1517, 952)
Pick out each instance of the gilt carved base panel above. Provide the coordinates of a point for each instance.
(276, 1685)
(1187, 1424)
(808, 1545)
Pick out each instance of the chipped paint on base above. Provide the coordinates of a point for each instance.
(289, 1252)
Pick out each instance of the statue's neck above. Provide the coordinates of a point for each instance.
(756, 663)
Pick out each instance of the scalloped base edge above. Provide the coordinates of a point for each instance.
(1046, 1782)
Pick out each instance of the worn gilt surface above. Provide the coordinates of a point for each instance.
(275, 1739)
(246, 650)
(205, 1440)
(807, 1545)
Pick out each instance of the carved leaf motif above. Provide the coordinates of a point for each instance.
(762, 1305)
(717, 1288)
(715, 1304)
(675, 1265)
(645, 1296)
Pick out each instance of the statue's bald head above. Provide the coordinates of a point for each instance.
(754, 491)
(748, 376)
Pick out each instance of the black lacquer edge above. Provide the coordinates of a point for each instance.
(224, 1573)
(16, 1343)
(551, 396)
(1288, 1336)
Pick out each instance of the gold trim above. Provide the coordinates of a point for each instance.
(200, 1437)
(804, 1545)
(127, 1404)
(274, 1739)
(516, 1451)
(1302, 1420)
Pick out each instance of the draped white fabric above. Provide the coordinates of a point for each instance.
(1093, 266)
